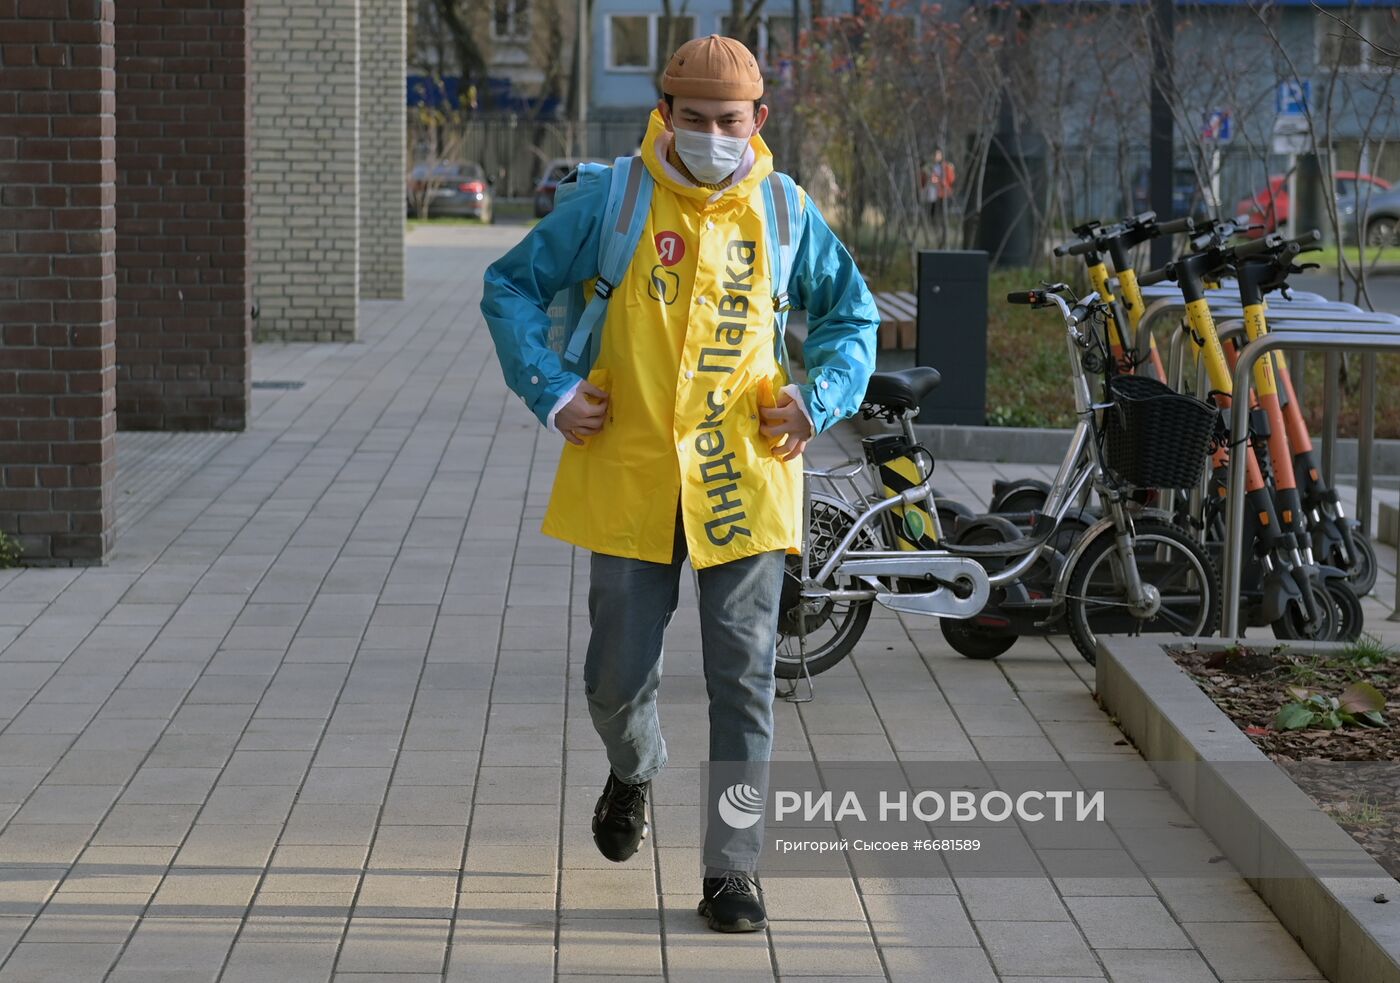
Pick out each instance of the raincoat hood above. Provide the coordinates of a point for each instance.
(758, 160)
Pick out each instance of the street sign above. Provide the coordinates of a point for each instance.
(1218, 126)
(1291, 97)
(1291, 135)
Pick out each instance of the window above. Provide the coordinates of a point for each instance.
(511, 20)
(1367, 42)
(777, 43)
(629, 42)
(671, 33)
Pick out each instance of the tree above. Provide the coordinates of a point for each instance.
(880, 89)
(457, 19)
(744, 20)
(1368, 100)
(437, 135)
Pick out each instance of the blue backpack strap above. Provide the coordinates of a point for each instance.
(783, 227)
(629, 203)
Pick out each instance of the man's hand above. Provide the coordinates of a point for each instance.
(583, 415)
(785, 420)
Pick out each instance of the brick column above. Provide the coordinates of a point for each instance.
(184, 332)
(382, 54)
(57, 278)
(306, 181)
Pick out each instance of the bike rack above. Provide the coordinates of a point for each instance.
(1345, 316)
(1301, 338)
(1366, 437)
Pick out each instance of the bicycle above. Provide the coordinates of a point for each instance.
(1097, 243)
(1131, 571)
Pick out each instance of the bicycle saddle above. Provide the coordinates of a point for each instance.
(903, 389)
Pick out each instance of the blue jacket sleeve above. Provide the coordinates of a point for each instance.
(842, 323)
(562, 249)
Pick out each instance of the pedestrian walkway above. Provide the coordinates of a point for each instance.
(321, 719)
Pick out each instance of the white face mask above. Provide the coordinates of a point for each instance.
(709, 156)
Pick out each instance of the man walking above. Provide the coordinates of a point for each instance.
(688, 440)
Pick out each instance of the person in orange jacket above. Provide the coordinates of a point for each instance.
(936, 186)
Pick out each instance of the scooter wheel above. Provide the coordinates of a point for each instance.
(1025, 495)
(1351, 619)
(974, 641)
(1362, 575)
(1293, 625)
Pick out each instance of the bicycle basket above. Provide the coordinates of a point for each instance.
(1155, 437)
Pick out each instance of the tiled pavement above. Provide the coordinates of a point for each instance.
(320, 719)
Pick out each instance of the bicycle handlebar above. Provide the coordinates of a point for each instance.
(1032, 297)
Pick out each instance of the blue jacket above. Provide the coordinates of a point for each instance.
(842, 321)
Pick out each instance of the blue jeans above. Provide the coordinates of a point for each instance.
(630, 603)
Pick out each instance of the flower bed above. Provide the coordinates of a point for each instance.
(1308, 712)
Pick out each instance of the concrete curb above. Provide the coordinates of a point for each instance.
(1259, 824)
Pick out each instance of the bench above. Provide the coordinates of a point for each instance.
(899, 313)
(898, 316)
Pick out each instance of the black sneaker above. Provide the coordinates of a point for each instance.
(620, 818)
(733, 903)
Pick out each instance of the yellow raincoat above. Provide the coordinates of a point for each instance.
(687, 346)
(687, 352)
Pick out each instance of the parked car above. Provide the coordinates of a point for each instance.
(1268, 206)
(1187, 198)
(456, 189)
(1382, 220)
(554, 172)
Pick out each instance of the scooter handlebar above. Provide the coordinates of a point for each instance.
(1076, 248)
(1264, 244)
(1176, 226)
(1157, 276)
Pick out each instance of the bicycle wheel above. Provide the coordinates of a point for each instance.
(1170, 560)
(833, 629)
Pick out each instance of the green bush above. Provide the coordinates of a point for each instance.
(1027, 358)
(10, 552)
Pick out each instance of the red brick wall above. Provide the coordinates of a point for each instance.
(184, 329)
(57, 278)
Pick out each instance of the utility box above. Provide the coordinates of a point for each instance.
(952, 335)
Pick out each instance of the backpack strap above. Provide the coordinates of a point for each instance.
(784, 230)
(629, 203)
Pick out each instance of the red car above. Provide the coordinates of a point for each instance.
(1269, 206)
(554, 172)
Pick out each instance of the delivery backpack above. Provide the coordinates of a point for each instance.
(576, 317)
